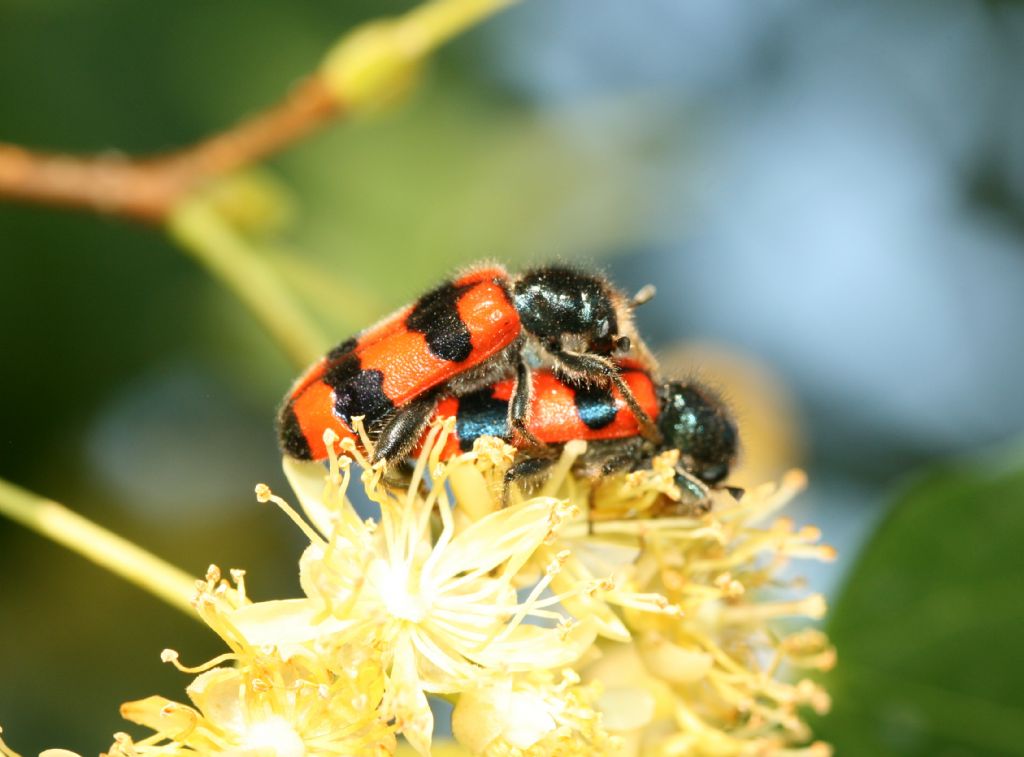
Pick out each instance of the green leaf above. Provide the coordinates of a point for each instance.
(930, 625)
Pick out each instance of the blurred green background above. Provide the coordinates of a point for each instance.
(830, 199)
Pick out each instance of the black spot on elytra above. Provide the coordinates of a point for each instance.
(343, 349)
(357, 391)
(480, 414)
(341, 370)
(595, 406)
(436, 316)
(289, 434)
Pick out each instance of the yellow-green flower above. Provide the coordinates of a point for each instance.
(440, 604)
(266, 703)
(712, 661)
(720, 677)
(588, 617)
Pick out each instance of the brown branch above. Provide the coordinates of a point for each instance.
(373, 63)
(146, 189)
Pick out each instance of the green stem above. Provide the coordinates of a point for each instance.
(95, 543)
(368, 66)
(233, 260)
(378, 60)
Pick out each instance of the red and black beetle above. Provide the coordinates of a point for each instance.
(477, 329)
(690, 417)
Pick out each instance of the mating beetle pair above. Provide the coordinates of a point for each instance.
(538, 359)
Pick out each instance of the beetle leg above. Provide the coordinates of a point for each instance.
(519, 407)
(695, 488)
(618, 463)
(590, 367)
(401, 432)
(622, 456)
(399, 476)
(528, 469)
(647, 428)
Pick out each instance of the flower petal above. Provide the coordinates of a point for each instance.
(519, 718)
(473, 492)
(476, 720)
(160, 714)
(626, 708)
(285, 621)
(672, 662)
(512, 532)
(602, 557)
(534, 648)
(439, 748)
(405, 700)
(216, 694)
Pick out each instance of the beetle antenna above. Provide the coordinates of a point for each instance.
(646, 294)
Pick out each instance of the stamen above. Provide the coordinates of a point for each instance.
(330, 439)
(124, 744)
(340, 472)
(171, 656)
(570, 452)
(359, 426)
(238, 576)
(523, 609)
(263, 494)
(812, 606)
(657, 604)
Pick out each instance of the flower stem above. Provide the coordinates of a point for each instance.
(95, 543)
(234, 260)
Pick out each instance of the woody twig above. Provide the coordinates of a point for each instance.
(374, 63)
(148, 189)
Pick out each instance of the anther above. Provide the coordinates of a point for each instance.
(261, 686)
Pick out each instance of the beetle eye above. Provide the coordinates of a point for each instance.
(623, 343)
(712, 474)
